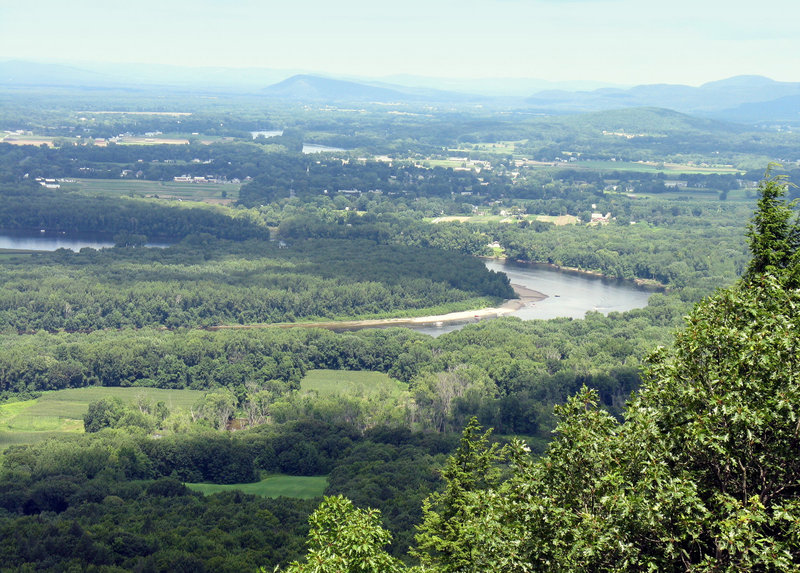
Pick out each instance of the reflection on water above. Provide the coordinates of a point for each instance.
(52, 241)
(569, 294)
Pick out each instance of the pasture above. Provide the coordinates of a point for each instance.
(37, 140)
(131, 112)
(304, 487)
(350, 383)
(62, 411)
(8, 255)
(136, 140)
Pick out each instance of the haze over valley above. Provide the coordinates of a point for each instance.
(477, 286)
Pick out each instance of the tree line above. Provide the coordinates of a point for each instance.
(700, 475)
(207, 282)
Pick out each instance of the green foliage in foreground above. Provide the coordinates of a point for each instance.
(346, 538)
(702, 475)
(302, 487)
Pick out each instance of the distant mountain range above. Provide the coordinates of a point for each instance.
(745, 99)
(98, 75)
(719, 97)
(304, 87)
(749, 99)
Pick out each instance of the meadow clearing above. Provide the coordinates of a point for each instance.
(350, 383)
(61, 411)
(276, 485)
(217, 193)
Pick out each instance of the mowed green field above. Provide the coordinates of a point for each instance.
(205, 192)
(502, 147)
(350, 383)
(62, 411)
(14, 254)
(304, 487)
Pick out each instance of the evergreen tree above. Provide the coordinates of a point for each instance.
(774, 237)
(702, 475)
(448, 539)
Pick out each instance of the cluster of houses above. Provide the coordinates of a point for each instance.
(48, 183)
(599, 218)
(204, 179)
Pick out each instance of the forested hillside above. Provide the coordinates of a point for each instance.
(701, 475)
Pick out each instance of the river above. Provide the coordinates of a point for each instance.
(308, 148)
(314, 148)
(569, 294)
(52, 241)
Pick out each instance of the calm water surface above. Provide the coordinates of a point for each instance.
(52, 241)
(314, 148)
(569, 294)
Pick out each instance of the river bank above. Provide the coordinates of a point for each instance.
(647, 283)
(570, 294)
(526, 296)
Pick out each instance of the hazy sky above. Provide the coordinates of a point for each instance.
(617, 41)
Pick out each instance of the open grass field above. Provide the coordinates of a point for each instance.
(557, 220)
(28, 140)
(501, 147)
(452, 163)
(152, 141)
(738, 195)
(62, 411)
(204, 192)
(273, 486)
(14, 254)
(350, 383)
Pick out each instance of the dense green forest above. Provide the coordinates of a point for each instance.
(32, 207)
(202, 282)
(117, 501)
(701, 475)
(106, 497)
(364, 233)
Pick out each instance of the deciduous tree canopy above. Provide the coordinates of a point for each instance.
(701, 475)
